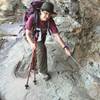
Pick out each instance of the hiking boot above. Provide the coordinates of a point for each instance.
(46, 76)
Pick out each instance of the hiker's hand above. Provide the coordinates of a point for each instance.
(33, 46)
(67, 50)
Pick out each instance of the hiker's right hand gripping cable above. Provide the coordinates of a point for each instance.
(67, 50)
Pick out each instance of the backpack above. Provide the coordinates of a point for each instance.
(34, 8)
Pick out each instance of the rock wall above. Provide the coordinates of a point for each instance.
(8, 7)
(90, 21)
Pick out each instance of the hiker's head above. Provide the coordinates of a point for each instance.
(47, 10)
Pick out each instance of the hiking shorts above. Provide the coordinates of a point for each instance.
(41, 55)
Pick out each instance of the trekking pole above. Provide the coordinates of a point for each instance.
(34, 66)
(30, 66)
(35, 82)
(97, 79)
(26, 85)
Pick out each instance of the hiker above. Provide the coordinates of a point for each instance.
(45, 17)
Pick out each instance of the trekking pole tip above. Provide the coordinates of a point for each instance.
(26, 86)
(35, 82)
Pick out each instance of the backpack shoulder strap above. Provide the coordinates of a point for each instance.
(36, 22)
(48, 27)
(37, 18)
